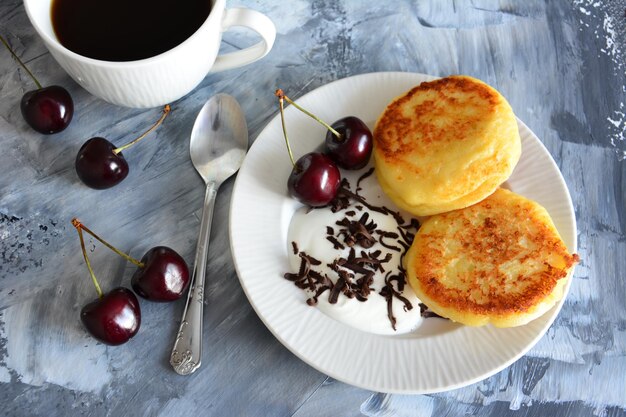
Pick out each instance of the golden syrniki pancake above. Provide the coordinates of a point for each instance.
(445, 144)
(500, 261)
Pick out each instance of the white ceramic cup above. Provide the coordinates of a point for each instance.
(163, 78)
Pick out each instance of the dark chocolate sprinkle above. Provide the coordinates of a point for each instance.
(334, 293)
(336, 244)
(383, 234)
(364, 176)
(305, 266)
(428, 313)
(311, 259)
(291, 277)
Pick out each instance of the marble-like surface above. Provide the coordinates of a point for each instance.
(561, 64)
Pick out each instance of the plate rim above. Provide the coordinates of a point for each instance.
(553, 312)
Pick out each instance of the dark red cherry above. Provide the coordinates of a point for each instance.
(114, 318)
(314, 180)
(353, 149)
(48, 110)
(98, 166)
(164, 276)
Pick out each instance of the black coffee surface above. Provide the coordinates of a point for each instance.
(126, 30)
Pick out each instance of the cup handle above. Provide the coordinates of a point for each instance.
(254, 20)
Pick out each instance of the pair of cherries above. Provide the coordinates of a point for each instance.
(99, 164)
(315, 177)
(113, 318)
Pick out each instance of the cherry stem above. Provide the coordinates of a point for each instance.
(282, 119)
(166, 111)
(19, 61)
(78, 225)
(82, 248)
(280, 94)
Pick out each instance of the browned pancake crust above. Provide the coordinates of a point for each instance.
(445, 145)
(488, 235)
(394, 131)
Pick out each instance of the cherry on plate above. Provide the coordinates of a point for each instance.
(352, 147)
(314, 180)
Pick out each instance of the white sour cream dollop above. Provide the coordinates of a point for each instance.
(308, 230)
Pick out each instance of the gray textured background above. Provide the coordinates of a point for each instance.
(562, 66)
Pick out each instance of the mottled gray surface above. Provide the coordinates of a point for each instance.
(562, 66)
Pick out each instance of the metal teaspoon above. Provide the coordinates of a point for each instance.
(219, 141)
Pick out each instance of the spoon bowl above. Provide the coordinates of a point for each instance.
(219, 139)
(218, 145)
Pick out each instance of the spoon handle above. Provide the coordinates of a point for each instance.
(187, 352)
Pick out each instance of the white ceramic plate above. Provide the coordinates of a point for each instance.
(438, 357)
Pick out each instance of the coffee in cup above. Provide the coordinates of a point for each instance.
(126, 30)
(147, 77)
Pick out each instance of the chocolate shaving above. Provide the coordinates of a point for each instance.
(406, 239)
(413, 224)
(349, 194)
(320, 290)
(357, 231)
(311, 259)
(305, 266)
(360, 297)
(356, 268)
(389, 292)
(294, 245)
(330, 231)
(334, 293)
(336, 244)
(428, 313)
(362, 177)
(380, 262)
(309, 279)
(391, 235)
(341, 201)
(291, 277)
(385, 292)
(399, 279)
(347, 276)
